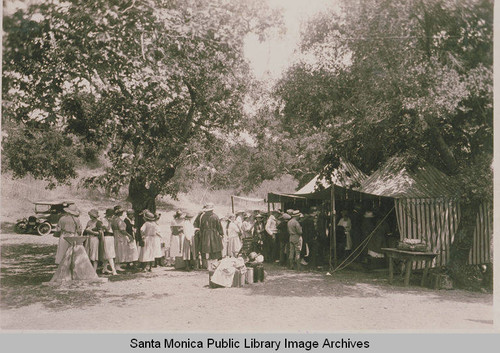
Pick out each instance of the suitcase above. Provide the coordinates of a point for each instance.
(179, 263)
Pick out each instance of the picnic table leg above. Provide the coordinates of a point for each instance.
(409, 264)
(391, 270)
(426, 270)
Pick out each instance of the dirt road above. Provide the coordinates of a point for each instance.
(169, 300)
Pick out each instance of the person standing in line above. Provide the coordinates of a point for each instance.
(120, 241)
(109, 243)
(295, 232)
(197, 241)
(211, 235)
(224, 222)
(270, 237)
(259, 230)
(187, 244)
(233, 237)
(356, 221)
(93, 231)
(345, 222)
(68, 226)
(283, 238)
(176, 235)
(129, 248)
(149, 233)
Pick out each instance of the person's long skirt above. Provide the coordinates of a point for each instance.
(109, 247)
(186, 250)
(233, 246)
(131, 253)
(93, 249)
(157, 247)
(62, 247)
(120, 248)
(175, 246)
(148, 250)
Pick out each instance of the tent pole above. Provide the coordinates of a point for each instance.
(232, 203)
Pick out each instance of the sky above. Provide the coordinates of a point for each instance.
(270, 58)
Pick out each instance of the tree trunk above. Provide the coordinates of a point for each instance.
(462, 274)
(142, 198)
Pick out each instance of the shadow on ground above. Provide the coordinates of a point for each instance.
(354, 283)
(25, 267)
(7, 227)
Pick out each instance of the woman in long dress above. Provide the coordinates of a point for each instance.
(128, 249)
(68, 226)
(149, 232)
(109, 243)
(233, 237)
(175, 239)
(188, 238)
(93, 231)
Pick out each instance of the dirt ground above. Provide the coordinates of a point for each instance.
(169, 300)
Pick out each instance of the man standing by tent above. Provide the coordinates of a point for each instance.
(295, 232)
(210, 235)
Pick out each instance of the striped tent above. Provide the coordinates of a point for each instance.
(428, 208)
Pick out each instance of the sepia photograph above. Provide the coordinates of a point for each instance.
(247, 166)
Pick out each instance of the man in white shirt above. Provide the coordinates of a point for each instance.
(270, 240)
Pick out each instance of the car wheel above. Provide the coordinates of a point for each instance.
(44, 228)
(21, 227)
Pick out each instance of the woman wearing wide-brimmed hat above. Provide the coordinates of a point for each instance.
(68, 226)
(126, 249)
(93, 231)
(149, 232)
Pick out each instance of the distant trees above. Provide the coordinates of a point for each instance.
(139, 80)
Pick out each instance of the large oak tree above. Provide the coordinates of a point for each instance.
(138, 80)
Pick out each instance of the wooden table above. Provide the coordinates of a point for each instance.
(409, 257)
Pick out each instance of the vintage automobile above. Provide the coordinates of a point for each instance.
(47, 214)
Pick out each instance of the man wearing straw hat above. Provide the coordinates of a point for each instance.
(211, 235)
(295, 232)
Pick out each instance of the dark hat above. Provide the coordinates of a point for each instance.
(110, 212)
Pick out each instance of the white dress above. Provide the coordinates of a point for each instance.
(149, 232)
(233, 237)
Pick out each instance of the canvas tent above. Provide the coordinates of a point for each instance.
(425, 201)
(345, 177)
(428, 208)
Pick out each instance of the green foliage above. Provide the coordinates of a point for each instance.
(137, 80)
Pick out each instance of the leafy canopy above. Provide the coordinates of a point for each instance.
(139, 80)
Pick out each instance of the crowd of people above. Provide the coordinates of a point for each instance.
(123, 240)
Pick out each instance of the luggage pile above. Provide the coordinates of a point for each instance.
(417, 245)
(234, 272)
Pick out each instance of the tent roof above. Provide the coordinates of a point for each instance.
(344, 176)
(393, 179)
